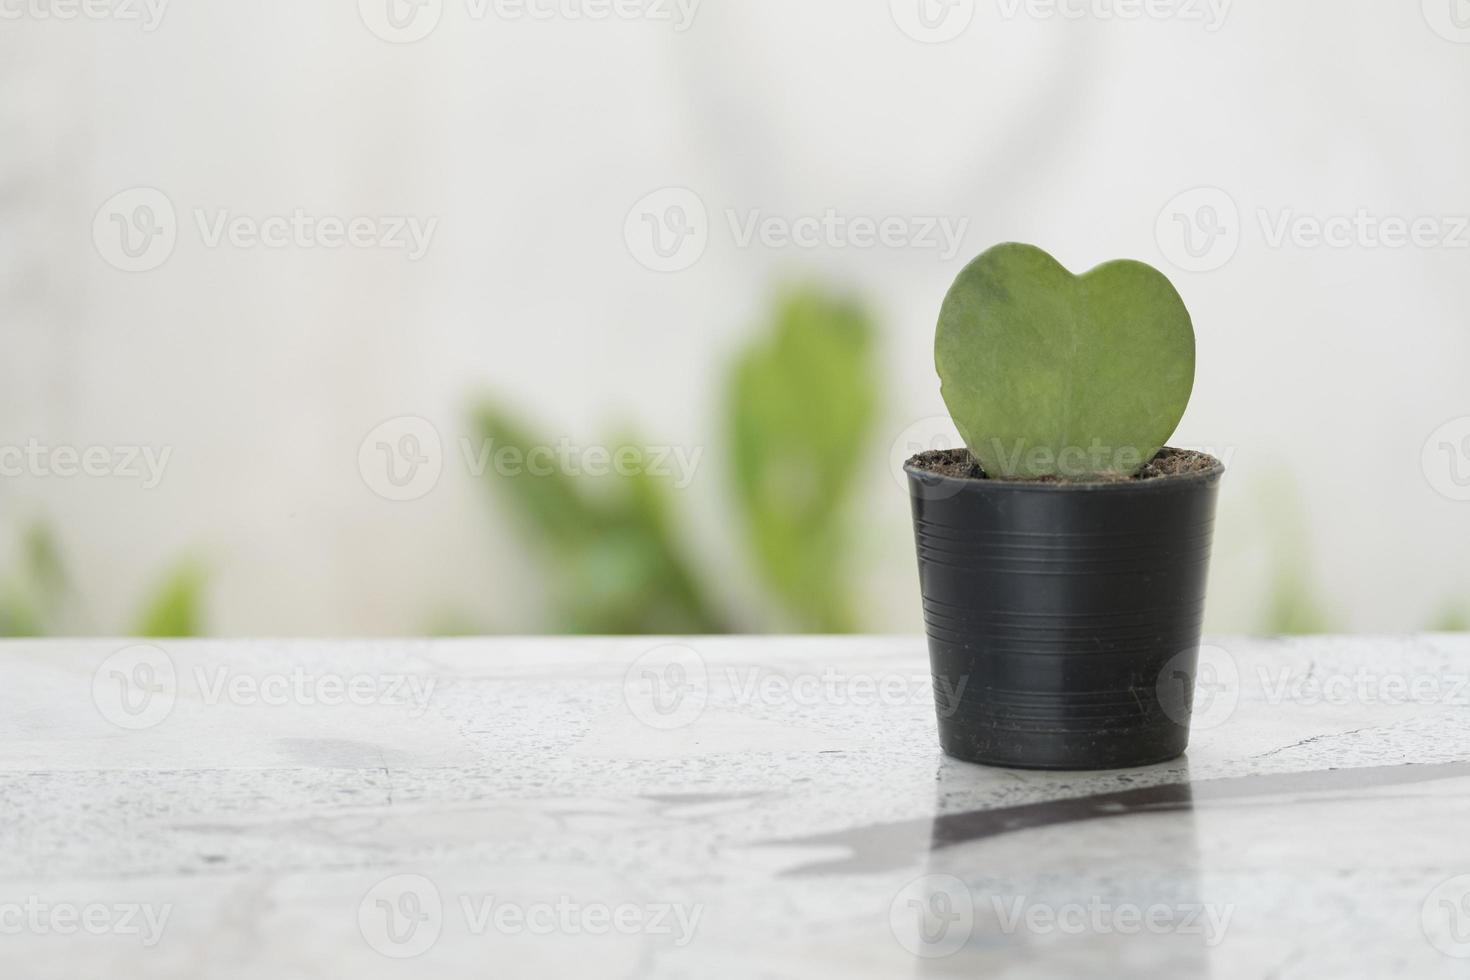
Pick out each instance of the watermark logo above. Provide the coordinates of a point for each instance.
(38, 917)
(933, 917)
(1200, 689)
(1450, 19)
(401, 917)
(1446, 459)
(148, 14)
(1199, 230)
(401, 21)
(932, 434)
(668, 230)
(136, 688)
(136, 230)
(402, 459)
(1445, 917)
(1211, 14)
(933, 21)
(668, 687)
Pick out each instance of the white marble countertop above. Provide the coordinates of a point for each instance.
(711, 807)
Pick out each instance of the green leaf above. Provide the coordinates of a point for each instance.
(1294, 605)
(42, 555)
(175, 610)
(1049, 374)
(31, 602)
(19, 616)
(608, 544)
(801, 410)
(548, 499)
(1293, 608)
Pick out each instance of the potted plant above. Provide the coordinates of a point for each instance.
(1063, 554)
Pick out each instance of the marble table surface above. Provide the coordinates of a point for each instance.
(737, 807)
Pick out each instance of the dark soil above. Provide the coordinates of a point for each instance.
(1169, 462)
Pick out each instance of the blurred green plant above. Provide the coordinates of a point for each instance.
(800, 409)
(608, 543)
(801, 406)
(36, 599)
(31, 598)
(1293, 606)
(176, 608)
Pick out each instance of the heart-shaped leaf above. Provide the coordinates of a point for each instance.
(1049, 374)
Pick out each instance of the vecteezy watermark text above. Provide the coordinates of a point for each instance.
(934, 916)
(147, 14)
(1067, 461)
(679, 463)
(137, 688)
(43, 461)
(1079, 462)
(1202, 229)
(403, 916)
(762, 686)
(137, 230)
(39, 917)
(1211, 14)
(407, 21)
(939, 21)
(1099, 917)
(670, 686)
(1365, 686)
(835, 230)
(298, 686)
(402, 459)
(299, 229)
(669, 230)
(1363, 229)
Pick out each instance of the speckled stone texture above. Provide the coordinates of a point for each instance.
(711, 807)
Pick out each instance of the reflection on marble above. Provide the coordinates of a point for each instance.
(731, 807)
(877, 848)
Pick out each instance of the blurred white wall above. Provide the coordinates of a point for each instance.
(1323, 370)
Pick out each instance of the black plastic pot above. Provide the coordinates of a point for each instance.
(1064, 619)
